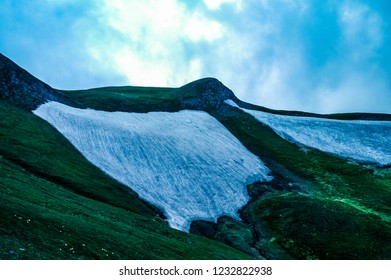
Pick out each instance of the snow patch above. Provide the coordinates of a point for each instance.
(187, 163)
(231, 103)
(364, 141)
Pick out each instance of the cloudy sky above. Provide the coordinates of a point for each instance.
(321, 56)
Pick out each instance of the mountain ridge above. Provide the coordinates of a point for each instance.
(24, 90)
(310, 210)
(202, 94)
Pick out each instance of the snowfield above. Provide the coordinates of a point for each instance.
(364, 141)
(186, 163)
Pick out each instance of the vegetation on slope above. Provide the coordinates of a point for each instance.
(337, 116)
(328, 183)
(56, 205)
(366, 190)
(20, 88)
(127, 99)
(317, 227)
(204, 94)
(32, 143)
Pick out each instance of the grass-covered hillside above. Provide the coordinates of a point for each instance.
(319, 205)
(56, 205)
(339, 204)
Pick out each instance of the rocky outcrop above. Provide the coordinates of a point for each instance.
(205, 94)
(229, 231)
(203, 228)
(23, 90)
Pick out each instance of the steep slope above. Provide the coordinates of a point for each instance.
(318, 205)
(204, 94)
(23, 90)
(34, 145)
(331, 188)
(56, 205)
(365, 141)
(186, 162)
(323, 178)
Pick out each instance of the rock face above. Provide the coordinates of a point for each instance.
(229, 231)
(23, 90)
(205, 94)
(203, 228)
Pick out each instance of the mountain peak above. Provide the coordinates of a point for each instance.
(22, 89)
(206, 93)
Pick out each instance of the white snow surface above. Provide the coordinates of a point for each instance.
(186, 162)
(231, 103)
(364, 141)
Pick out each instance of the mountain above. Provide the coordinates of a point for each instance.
(186, 173)
(23, 90)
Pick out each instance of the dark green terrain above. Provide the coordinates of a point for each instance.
(56, 205)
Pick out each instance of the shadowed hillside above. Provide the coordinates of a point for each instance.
(57, 205)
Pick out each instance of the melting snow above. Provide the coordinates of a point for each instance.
(365, 141)
(187, 163)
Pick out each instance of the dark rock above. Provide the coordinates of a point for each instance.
(237, 234)
(260, 189)
(203, 228)
(205, 94)
(23, 90)
(265, 241)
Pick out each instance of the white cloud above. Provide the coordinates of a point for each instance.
(361, 29)
(258, 49)
(139, 71)
(216, 4)
(149, 41)
(361, 91)
(198, 28)
(164, 20)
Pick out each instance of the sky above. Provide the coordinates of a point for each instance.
(323, 56)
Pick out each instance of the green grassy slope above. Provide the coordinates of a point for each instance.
(337, 116)
(35, 145)
(56, 205)
(337, 191)
(128, 99)
(317, 227)
(203, 94)
(330, 175)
